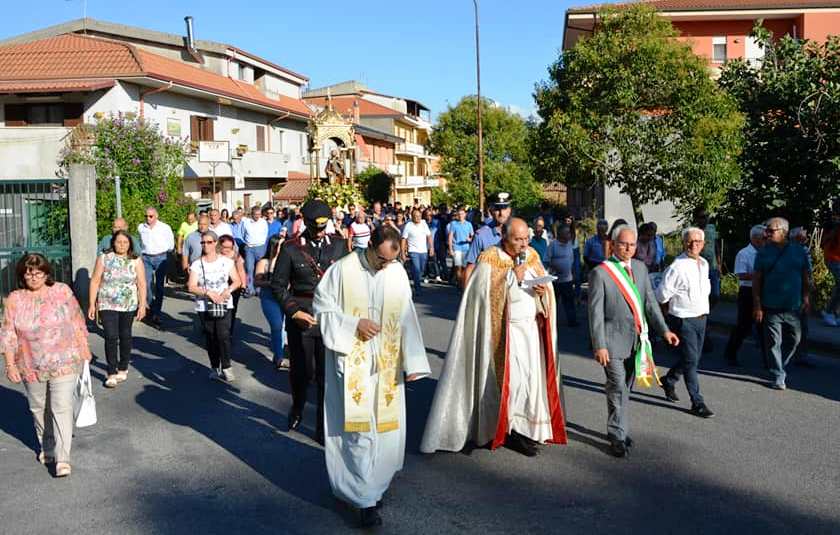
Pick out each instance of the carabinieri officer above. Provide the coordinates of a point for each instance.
(301, 263)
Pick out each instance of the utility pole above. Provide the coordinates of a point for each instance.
(478, 116)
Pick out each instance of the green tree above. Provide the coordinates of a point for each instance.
(633, 107)
(375, 185)
(506, 158)
(791, 161)
(149, 164)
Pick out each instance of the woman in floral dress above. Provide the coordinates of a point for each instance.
(44, 343)
(118, 292)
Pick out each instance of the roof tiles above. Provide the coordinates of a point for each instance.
(73, 56)
(718, 5)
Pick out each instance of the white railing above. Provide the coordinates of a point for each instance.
(411, 148)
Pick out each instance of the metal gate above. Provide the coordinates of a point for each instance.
(34, 218)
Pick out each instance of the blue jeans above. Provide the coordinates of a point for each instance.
(564, 292)
(418, 266)
(273, 313)
(156, 266)
(782, 334)
(691, 332)
(252, 256)
(834, 304)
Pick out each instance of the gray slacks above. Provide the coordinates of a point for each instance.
(621, 374)
(51, 404)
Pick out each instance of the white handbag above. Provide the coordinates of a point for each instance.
(84, 406)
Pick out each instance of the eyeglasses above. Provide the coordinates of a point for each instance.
(696, 242)
(35, 274)
(150, 216)
(207, 243)
(769, 230)
(627, 244)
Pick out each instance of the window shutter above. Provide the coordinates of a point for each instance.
(208, 124)
(195, 134)
(73, 113)
(260, 138)
(15, 115)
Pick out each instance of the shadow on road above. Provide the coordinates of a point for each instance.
(17, 420)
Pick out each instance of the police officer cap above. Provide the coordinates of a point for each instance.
(317, 212)
(501, 199)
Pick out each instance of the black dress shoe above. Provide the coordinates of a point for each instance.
(619, 449)
(702, 411)
(294, 420)
(518, 443)
(670, 392)
(369, 518)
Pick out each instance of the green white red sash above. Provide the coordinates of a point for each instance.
(645, 367)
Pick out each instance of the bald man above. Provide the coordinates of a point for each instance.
(118, 224)
(501, 382)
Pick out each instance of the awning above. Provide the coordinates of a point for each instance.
(294, 190)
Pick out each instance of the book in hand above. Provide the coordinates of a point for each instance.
(546, 279)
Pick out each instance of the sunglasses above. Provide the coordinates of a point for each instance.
(207, 243)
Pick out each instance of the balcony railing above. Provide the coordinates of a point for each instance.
(417, 182)
(411, 148)
(252, 164)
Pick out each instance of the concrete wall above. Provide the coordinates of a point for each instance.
(618, 205)
(700, 34)
(818, 26)
(31, 152)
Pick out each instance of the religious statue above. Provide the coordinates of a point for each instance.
(335, 168)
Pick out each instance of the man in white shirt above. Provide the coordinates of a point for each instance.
(156, 239)
(254, 234)
(685, 287)
(417, 240)
(218, 226)
(744, 267)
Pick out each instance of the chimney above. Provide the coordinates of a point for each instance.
(190, 37)
(356, 111)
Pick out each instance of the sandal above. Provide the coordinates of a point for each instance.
(122, 376)
(62, 470)
(111, 381)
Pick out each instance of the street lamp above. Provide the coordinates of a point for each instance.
(478, 117)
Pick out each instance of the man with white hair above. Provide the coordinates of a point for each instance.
(744, 262)
(780, 295)
(621, 306)
(685, 288)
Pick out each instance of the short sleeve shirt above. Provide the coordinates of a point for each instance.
(416, 235)
(461, 232)
(781, 282)
(213, 276)
(186, 228)
(486, 237)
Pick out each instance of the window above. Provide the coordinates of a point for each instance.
(58, 114)
(260, 138)
(201, 129)
(719, 49)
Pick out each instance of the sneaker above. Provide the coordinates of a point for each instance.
(702, 411)
(438, 280)
(111, 381)
(777, 386)
(830, 319)
(227, 375)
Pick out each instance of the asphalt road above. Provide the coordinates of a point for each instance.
(176, 453)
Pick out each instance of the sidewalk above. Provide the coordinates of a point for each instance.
(820, 336)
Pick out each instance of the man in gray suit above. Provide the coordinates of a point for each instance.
(613, 331)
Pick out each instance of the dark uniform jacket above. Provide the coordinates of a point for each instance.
(295, 277)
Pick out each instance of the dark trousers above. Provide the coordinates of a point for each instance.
(217, 336)
(237, 294)
(306, 365)
(691, 331)
(117, 327)
(743, 326)
(564, 292)
(621, 374)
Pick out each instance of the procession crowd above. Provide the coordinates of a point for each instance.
(337, 289)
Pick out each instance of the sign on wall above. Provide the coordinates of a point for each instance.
(213, 151)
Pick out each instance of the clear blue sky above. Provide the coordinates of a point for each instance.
(423, 50)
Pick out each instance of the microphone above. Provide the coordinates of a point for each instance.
(521, 260)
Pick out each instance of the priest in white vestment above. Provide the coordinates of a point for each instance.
(501, 381)
(373, 344)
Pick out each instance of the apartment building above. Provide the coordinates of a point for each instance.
(54, 79)
(413, 167)
(717, 30)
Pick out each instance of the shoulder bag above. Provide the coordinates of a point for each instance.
(213, 309)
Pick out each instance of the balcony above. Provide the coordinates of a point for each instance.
(252, 164)
(417, 182)
(412, 149)
(31, 151)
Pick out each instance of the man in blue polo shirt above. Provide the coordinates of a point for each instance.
(780, 295)
(490, 234)
(459, 236)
